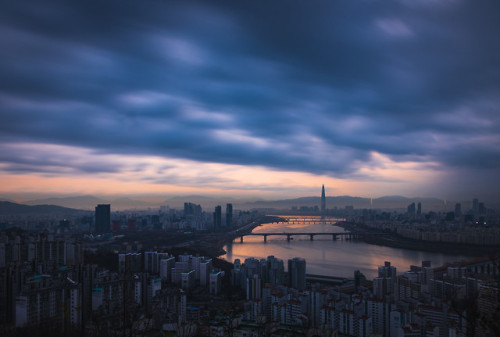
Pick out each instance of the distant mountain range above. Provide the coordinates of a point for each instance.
(79, 202)
(389, 202)
(88, 202)
(11, 208)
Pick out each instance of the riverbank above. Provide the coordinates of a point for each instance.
(395, 241)
(212, 244)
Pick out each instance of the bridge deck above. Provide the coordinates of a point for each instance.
(317, 233)
(301, 233)
(334, 235)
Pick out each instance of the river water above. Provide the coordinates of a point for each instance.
(325, 256)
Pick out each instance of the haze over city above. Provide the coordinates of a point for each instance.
(250, 99)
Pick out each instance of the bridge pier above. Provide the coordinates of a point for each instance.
(289, 235)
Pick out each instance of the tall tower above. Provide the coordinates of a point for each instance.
(102, 218)
(323, 199)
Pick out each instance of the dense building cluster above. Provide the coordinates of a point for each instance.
(477, 226)
(48, 285)
(39, 280)
(423, 301)
(45, 284)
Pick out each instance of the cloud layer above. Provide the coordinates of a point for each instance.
(324, 88)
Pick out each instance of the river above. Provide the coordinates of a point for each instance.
(325, 256)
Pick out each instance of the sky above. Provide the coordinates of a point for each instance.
(248, 98)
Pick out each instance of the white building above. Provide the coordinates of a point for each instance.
(205, 270)
(216, 282)
(187, 280)
(166, 265)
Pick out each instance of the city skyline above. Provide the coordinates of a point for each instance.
(241, 99)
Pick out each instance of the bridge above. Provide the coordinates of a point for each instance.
(289, 235)
(307, 221)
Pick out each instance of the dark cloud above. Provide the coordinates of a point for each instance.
(288, 85)
(28, 158)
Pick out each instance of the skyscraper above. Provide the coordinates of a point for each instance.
(297, 273)
(411, 211)
(323, 199)
(229, 215)
(217, 217)
(102, 218)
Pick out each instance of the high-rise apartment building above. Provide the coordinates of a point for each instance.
(275, 271)
(253, 288)
(205, 271)
(102, 218)
(229, 215)
(217, 217)
(387, 270)
(216, 282)
(386, 279)
(297, 273)
(191, 209)
(411, 211)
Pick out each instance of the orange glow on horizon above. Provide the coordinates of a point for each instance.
(152, 175)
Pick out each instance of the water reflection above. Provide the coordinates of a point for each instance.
(326, 256)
